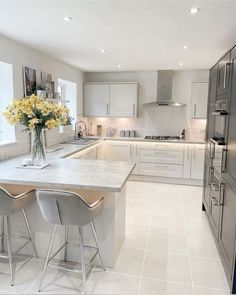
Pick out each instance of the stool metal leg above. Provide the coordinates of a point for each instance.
(66, 241)
(9, 249)
(97, 244)
(2, 234)
(30, 233)
(81, 242)
(47, 257)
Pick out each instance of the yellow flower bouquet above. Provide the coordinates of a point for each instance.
(36, 114)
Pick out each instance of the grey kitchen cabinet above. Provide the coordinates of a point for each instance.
(207, 186)
(227, 232)
(96, 100)
(199, 94)
(123, 100)
(230, 167)
(223, 75)
(215, 203)
(219, 200)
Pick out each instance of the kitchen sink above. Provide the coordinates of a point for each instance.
(81, 141)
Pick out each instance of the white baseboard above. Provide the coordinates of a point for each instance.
(169, 180)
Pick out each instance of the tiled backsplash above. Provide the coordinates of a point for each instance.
(153, 121)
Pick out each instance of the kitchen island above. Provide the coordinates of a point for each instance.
(91, 179)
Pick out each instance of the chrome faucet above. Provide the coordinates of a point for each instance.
(81, 133)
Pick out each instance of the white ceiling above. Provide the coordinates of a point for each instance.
(139, 35)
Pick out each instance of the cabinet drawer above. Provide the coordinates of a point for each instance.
(161, 146)
(161, 170)
(161, 156)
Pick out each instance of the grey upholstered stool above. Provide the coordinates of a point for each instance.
(68, 209)
(8, 205)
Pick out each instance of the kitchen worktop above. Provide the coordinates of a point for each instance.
(68, 173)
(193, 141)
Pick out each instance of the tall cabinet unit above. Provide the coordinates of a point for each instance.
(219, 198)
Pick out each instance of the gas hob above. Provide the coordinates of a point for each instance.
(162, 138)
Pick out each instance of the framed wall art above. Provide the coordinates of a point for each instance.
(29, 81)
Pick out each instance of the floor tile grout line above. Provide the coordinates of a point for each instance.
(189, 259)
(145, 251)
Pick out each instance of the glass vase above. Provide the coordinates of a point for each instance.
(37, 147)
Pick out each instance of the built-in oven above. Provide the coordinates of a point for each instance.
(221, 120)
(217, 142)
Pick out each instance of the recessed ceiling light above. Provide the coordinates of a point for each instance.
(67, 19)
(185, 47)
(181, 64)
(102, 50)
(119, 66)
(194, 10)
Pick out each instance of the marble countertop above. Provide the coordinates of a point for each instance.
(68, 173)
(190, 141)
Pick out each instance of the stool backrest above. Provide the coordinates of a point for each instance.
(66, 208)
(6, 202)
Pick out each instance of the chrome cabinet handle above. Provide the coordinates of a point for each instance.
(195, 110)
(227, 65)
(223, 160)
(225, 70)
(133, 110)
(107, 108)
(212, 155)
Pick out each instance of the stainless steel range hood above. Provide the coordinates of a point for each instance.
(164, 90)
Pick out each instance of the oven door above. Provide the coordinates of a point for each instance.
(220, 127)
(218, 156)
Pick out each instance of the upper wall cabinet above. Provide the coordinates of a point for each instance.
(223, 76)
(110, 99)
(96, 100)
(199, 93)
(123, 100)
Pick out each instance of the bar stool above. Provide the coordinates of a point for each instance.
(10, 204)
(69, 209)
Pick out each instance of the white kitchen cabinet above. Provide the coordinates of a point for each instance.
(157, 156)
(96, 100)
(163, 170)
(123, 100)
(117, 151)
(86, 154)
(110, 99)
(197, 165)
(161, 159)
(199, 95)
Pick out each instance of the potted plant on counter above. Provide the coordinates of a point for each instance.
(37, 114)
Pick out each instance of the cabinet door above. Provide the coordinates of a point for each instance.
(96, 100)
(231, 142)
(211, 108)
(223, 76)
(227, 229)
(120, 151)
(207, 186)
(197, 167)
(199, 94)
(123, 100)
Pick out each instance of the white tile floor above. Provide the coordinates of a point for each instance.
(168, 250)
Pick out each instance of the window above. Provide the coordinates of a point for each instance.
(68, 93)
(7, 131)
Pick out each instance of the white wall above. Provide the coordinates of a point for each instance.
(20, 55)
(158, 119)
